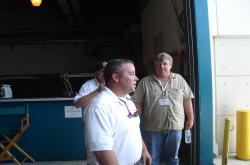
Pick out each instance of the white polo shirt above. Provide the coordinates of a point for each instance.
(88, 87)
(108, 127)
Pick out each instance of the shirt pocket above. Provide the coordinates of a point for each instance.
(175, 94)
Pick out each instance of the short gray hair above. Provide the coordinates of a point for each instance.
(114, 66)
(161, 56)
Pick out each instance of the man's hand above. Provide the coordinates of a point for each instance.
(100, 88)
(189, 124)
(146, 158)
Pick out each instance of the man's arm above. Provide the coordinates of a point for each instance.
(188, 108)
(138, 106)
(85, 100)
(146, 158)
(106, 157)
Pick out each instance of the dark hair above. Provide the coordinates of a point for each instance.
(114, 66)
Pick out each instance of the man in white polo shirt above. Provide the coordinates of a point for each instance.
(88, 91)
(91, 87)
(111, 122)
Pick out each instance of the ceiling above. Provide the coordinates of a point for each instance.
(67, 20)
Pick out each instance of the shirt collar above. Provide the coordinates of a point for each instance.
(115, 98)
(96, 81)
(172, 75)
(111, 94)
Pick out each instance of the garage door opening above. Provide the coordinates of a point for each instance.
(61, 39)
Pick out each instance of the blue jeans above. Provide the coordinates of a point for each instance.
(165, 144)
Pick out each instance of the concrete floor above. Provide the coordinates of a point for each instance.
(51, 163)
(232, 160)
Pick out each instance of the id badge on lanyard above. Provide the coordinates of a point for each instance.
(164, 100)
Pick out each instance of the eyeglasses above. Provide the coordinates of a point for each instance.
(130, 115)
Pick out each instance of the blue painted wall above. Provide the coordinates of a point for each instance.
(205, 83)
(51, 136)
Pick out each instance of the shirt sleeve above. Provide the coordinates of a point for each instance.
(84, 90)
(188, 94)
(139, 92)
(98, 128)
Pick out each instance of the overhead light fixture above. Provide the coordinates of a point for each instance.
(36, 3)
